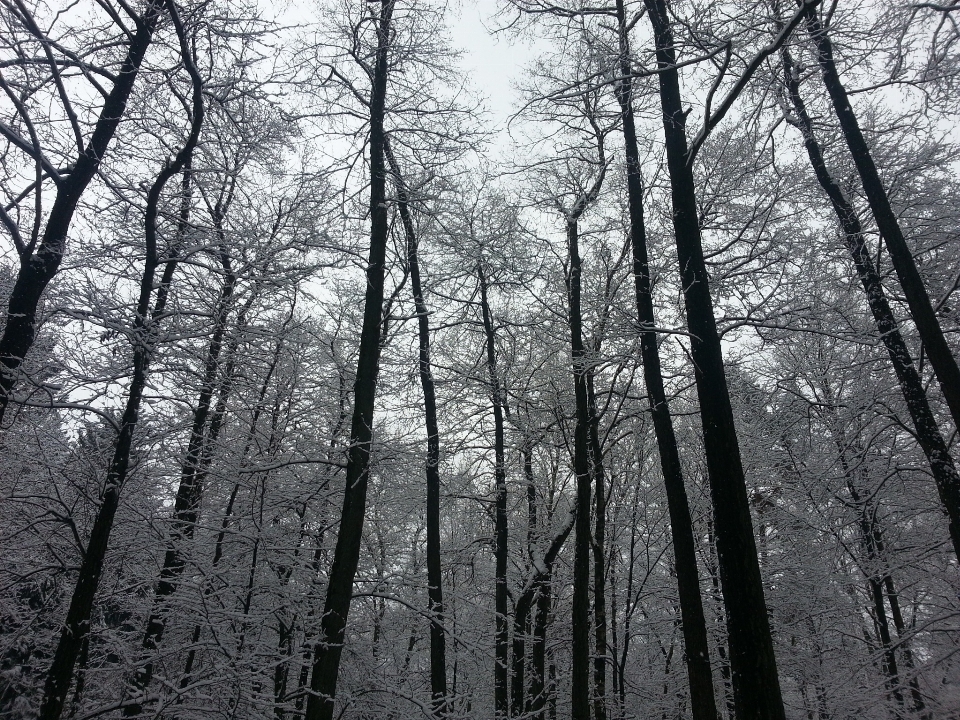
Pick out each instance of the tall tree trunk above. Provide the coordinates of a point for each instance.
(143, 335)
(523, 622)
(614, 648)
(438, 661)
(927, 430)
(318, 552)
(81, 682)
(882, 626)
(39, 265)
(717, 598)
(693, 622)
(281, 672)
(585, 454)
(599, 557)
(580, 698)
(755, 681)
(187, 503)
(539, 688)
(346, 556)
(629, 604)
(941, 357)
(501, 639)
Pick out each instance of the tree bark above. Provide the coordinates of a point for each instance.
(346, 556)
(927, 430)
(755, 681)
(599, 558)
(580, 673)
(539, 687)
(501, 640)
(523, 622)
(924, 317)
(693, 622)
(532, 591)
(38, 267)
(438, 661)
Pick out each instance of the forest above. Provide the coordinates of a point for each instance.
(328, 392)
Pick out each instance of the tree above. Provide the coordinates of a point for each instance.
(681, 526)
(326, 662)
(143, 339)
(941, 357)
(40, 255)
(484, 293)
(755, 681)
(582, 455)
(502, 648)
(438, 662)
(927, 429)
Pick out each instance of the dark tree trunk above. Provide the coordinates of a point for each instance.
(941, 358)
(693, 622)
(586, 456)
(580, 698)
(39, 266)
(78, 616)
(81, 682)
(501, 641)
(438, 661)
(539, 688)
(522, 626)
(614, 648)
(187, 504)
(346, 556)
(717, 598)
(599, 558)
(755, 681)
(143, 336)
(927, 430)
(523, 623)
(537, 584)
(882, 626)
(281, 672)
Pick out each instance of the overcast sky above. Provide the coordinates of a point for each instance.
(492, 60)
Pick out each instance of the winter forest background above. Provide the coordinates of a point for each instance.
(326, 392)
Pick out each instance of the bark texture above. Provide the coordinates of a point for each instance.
(756, 684)
(693, 622)
(326, 662)
(438, 662)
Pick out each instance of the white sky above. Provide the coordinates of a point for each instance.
(493, 61)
